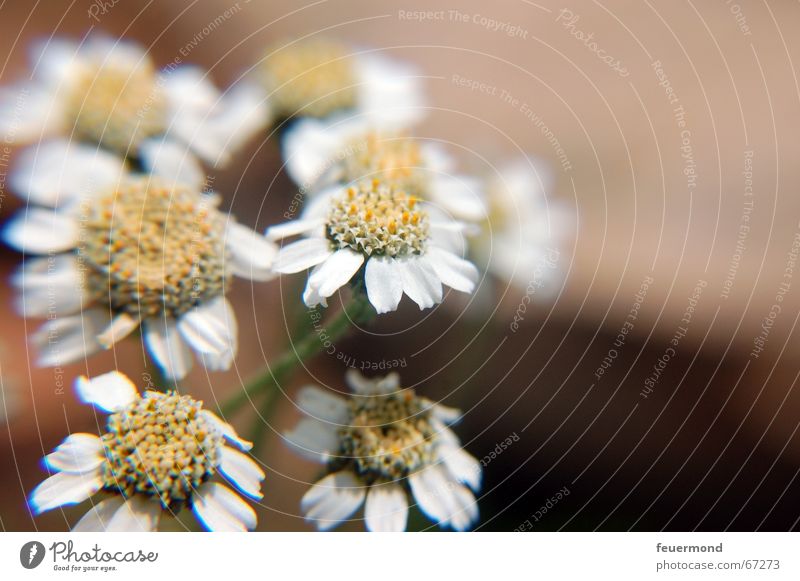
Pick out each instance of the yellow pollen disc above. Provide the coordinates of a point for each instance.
(388, 436)
(376, 219)
(394, 158)
(117, 106)
(313, 78)
(160, 445)
(148, 249)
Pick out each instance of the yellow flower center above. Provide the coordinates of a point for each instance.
(377, 218)
(160, 445)
(149, 249)
(313, 78)
(117, 106)
(395, 158)
(388, 437)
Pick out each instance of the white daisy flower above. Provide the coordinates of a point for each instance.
(525, 235)
(318, 77)
(130, 250)
(379, 445)
(109, 92)
(342, 149)
(403, 245)
(159, 455)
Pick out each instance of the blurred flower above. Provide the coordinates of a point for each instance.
(341, 150)
(131, 249)
(318, 77)
(380, 444)
(524, 237)
(407, 246)
(108, 91)
(158, 455)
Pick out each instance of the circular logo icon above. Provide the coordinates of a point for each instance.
(31, 554)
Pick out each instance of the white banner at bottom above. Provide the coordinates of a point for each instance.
(401, 556)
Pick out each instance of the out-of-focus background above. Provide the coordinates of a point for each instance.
(641, 437)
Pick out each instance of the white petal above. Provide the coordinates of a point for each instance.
(252, 255)
(360, 384)
(308, 147)
(459, 195)
(386, 509)
(138, 514)
(303, 254)
(61, 172)
(384, 284)
(40, 231)
(447, 414)
(322, 405)
(333, 499)
(171, 161)
(293, 228)
(227, 430)
(49, 286)
(313, 440)
(110, 392)
(78, 453)
(466, 508)
(336, 271)
(390, 92)
(64, 488)
(27, 113)
(437, 160)
(453, 271)
(167, 347)
(462, 466)
(311, 296)
(222, 510)
(240, 114)
(242, 471)
(431, 490)
(210, 327)
(120, 327)
(68, 339)
(97, 518)
(420, 281)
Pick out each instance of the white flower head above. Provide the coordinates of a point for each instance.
(343, 149)
(380, 446)
(403, 244)
(108, 91)
(160, 453)
(317, 77)
(524, 238)
(134, 249)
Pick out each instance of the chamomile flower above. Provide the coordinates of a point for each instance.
(109, 92)
(525, 235)
(159, 454)
(318, 153)
(149, 250)
(380, 445)
(318, 77)
(402, 244)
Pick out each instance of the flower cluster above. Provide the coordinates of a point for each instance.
(122, 235)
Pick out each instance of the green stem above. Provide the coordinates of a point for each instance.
(359, 310)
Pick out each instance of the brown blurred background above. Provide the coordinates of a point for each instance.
(714, 445)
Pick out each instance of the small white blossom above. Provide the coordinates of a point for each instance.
(108, 91)
(158, 455)
(381, 446)
(404, 246)
(342, 149)
(124, 250)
